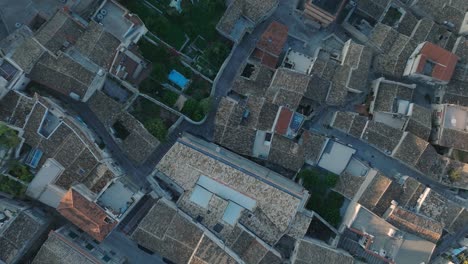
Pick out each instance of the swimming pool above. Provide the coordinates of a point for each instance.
(177, 78)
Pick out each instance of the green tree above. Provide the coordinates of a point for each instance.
(205, 105)
(8, 137)
(157, 128)
(193, 110)
(170, 98)
(11, 187)
(20, 171)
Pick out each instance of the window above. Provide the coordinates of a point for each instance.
(106, 258)
(72, 234)
(89, 247)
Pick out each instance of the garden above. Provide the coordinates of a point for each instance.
(11, 187)
(20, 171)
(155, 119)
(193, 29)
(323, 200)
(195, 102)
(8, 137)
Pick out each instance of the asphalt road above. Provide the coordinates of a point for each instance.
(382, 162)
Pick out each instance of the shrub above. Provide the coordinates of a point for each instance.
(193, 110)
(454, 175)
(170, 98)
(11, 187)
(157, 128)
(21, 172)
(8, 137)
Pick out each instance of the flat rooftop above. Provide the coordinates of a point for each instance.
(336, 157)
(24, 11)
(114, 20)
(298, 61)
(456, 117)
(401, 246)
(116, 198)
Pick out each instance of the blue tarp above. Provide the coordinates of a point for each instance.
(177, 78)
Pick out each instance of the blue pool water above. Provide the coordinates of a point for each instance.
(178, 79)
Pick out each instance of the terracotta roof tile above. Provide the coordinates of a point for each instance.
(273, 39)
(86, 215)
(283, 121)
(445, 61)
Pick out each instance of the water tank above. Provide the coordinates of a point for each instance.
(103, 12)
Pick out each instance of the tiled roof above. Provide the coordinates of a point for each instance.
(431, 163)
(58, 31)
(417, 224)
(382, 136)
(410, 149)
(313, 145)
(98, 45)
(254, 86)
(420, 122)
(27, 54)
(374, 192)
(444, 60)
(57, 249)
(63, 75)
(273, 39)
(283, 121)
(286, 153)
(315, 252)
(86, 215)
(184, 163)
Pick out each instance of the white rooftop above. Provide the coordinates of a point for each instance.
(41, 187)
(299, 61)
(335, 157)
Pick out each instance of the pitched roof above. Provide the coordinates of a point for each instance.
(286, 153)
(58, 31)
(417, 224)
(410, 149)
(420, 121)
(273, 39)
(313, 145)
(444, 61)
(283, 121)
(63, 75)
(98, 45)
(86, 215)
(315, 252)
(57, 249)
(27, 54)
(382, 136)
